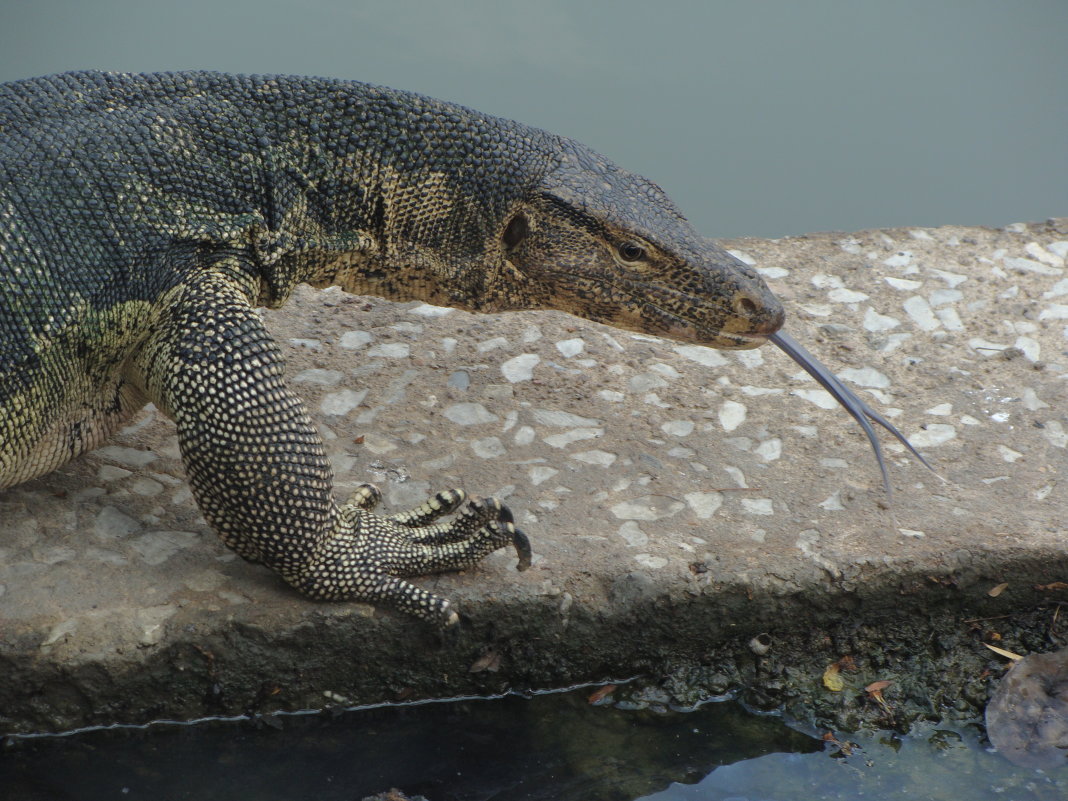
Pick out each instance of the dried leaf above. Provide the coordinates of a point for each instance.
(1004, 653)
(832, 678)
(994, 592)
(1056, 585)
(846, 747)
(489, 661)
(601, 693)
(875, 692)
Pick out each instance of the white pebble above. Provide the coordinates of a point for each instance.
(933, 435)
(131, 457)
(750, 359)
(553, 417)
(157, 547)
(921, 312)
(941, 297)
(873, 321)
(600, 458)
(1032, 266)
(769, 450)
(571, 347)
(1058, 289)
(541, 473)
(731, 415)
(866, 377)
(820, 397)
(758, 506)
(1054, 433)
(488, 448)
(391, 350)
(633, 535)
(524, 435)
(951, 279)
(315, 375)
(704, 504)
(469, 414)
(353, 340)
(1032, 350)
(109, 472)
(949, 318)
(1031, 401)
(1055, 311)
(342, 402)
(833, 503)
(773, 273)
(492, 344)
(705, 356)
(678, 428)
(426, 310)
(575, 435)
(1008, 454)
(904, 284)
(900, 259)
(643, 382)
(665, 370)
(651, 562)
(520, 368)
(846, 296)
(146, 487)
(648, 507)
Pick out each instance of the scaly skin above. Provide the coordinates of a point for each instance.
(143, 219)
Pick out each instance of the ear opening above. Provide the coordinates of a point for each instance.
(516, 231)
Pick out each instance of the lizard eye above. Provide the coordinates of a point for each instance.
(515, 231)
(631, 251)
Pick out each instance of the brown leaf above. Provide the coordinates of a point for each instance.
(994, 592)
(601, 693)
(1056, 585)
(847, 663)
(846, 747)
(489, 661)
(877, 686)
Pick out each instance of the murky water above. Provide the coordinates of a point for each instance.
(759, 119)
(557, 747)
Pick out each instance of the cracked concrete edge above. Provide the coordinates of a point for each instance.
(118, 605)
(348, 655)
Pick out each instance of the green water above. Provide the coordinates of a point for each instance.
(555, 747)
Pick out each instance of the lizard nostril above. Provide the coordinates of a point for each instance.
(745, 306)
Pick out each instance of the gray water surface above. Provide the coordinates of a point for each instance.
(763, 118)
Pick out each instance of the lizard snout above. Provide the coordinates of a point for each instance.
(762, 312)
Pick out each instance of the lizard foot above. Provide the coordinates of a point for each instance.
(367, 556)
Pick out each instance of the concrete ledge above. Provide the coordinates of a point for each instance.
(679, 500)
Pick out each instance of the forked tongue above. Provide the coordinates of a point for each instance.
(860, 411)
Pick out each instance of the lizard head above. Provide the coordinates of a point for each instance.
(598, 242)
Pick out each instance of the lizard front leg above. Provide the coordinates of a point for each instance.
(259, 472)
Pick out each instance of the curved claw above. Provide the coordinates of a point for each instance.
(860, 411)
(522, 549)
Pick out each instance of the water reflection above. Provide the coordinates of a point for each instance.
(551, 747)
